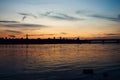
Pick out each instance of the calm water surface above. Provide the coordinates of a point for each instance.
(56, 61)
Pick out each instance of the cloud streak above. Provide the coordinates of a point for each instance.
(25, 15)
(43, 35)
(13, 36)
(3, 21)
(12, 24)
(13, 31)
(20, 25)
(117, 19)
(112, 34)
(60, 16)
(63, 33)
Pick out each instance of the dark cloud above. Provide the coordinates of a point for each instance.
(47, 13)
(25, 15)
(24, 25)
(64, 33)
(112, 34)
(65, 17)
(60, 16)
(13, 36)
(16, 24)
(42, 35)
(13, 31)
(117, 19)
(8, 21)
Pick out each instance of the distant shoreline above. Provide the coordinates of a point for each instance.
(58, 41)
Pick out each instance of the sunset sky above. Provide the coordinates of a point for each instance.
(54, 18)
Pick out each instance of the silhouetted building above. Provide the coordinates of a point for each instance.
(26, 36)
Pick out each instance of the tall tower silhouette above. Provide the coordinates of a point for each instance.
(26, 36)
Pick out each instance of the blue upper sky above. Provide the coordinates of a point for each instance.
(68, 16)
(105, 7)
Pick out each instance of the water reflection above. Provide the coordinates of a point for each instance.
(56, 60)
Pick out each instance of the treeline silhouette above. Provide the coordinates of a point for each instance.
(55, 41)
